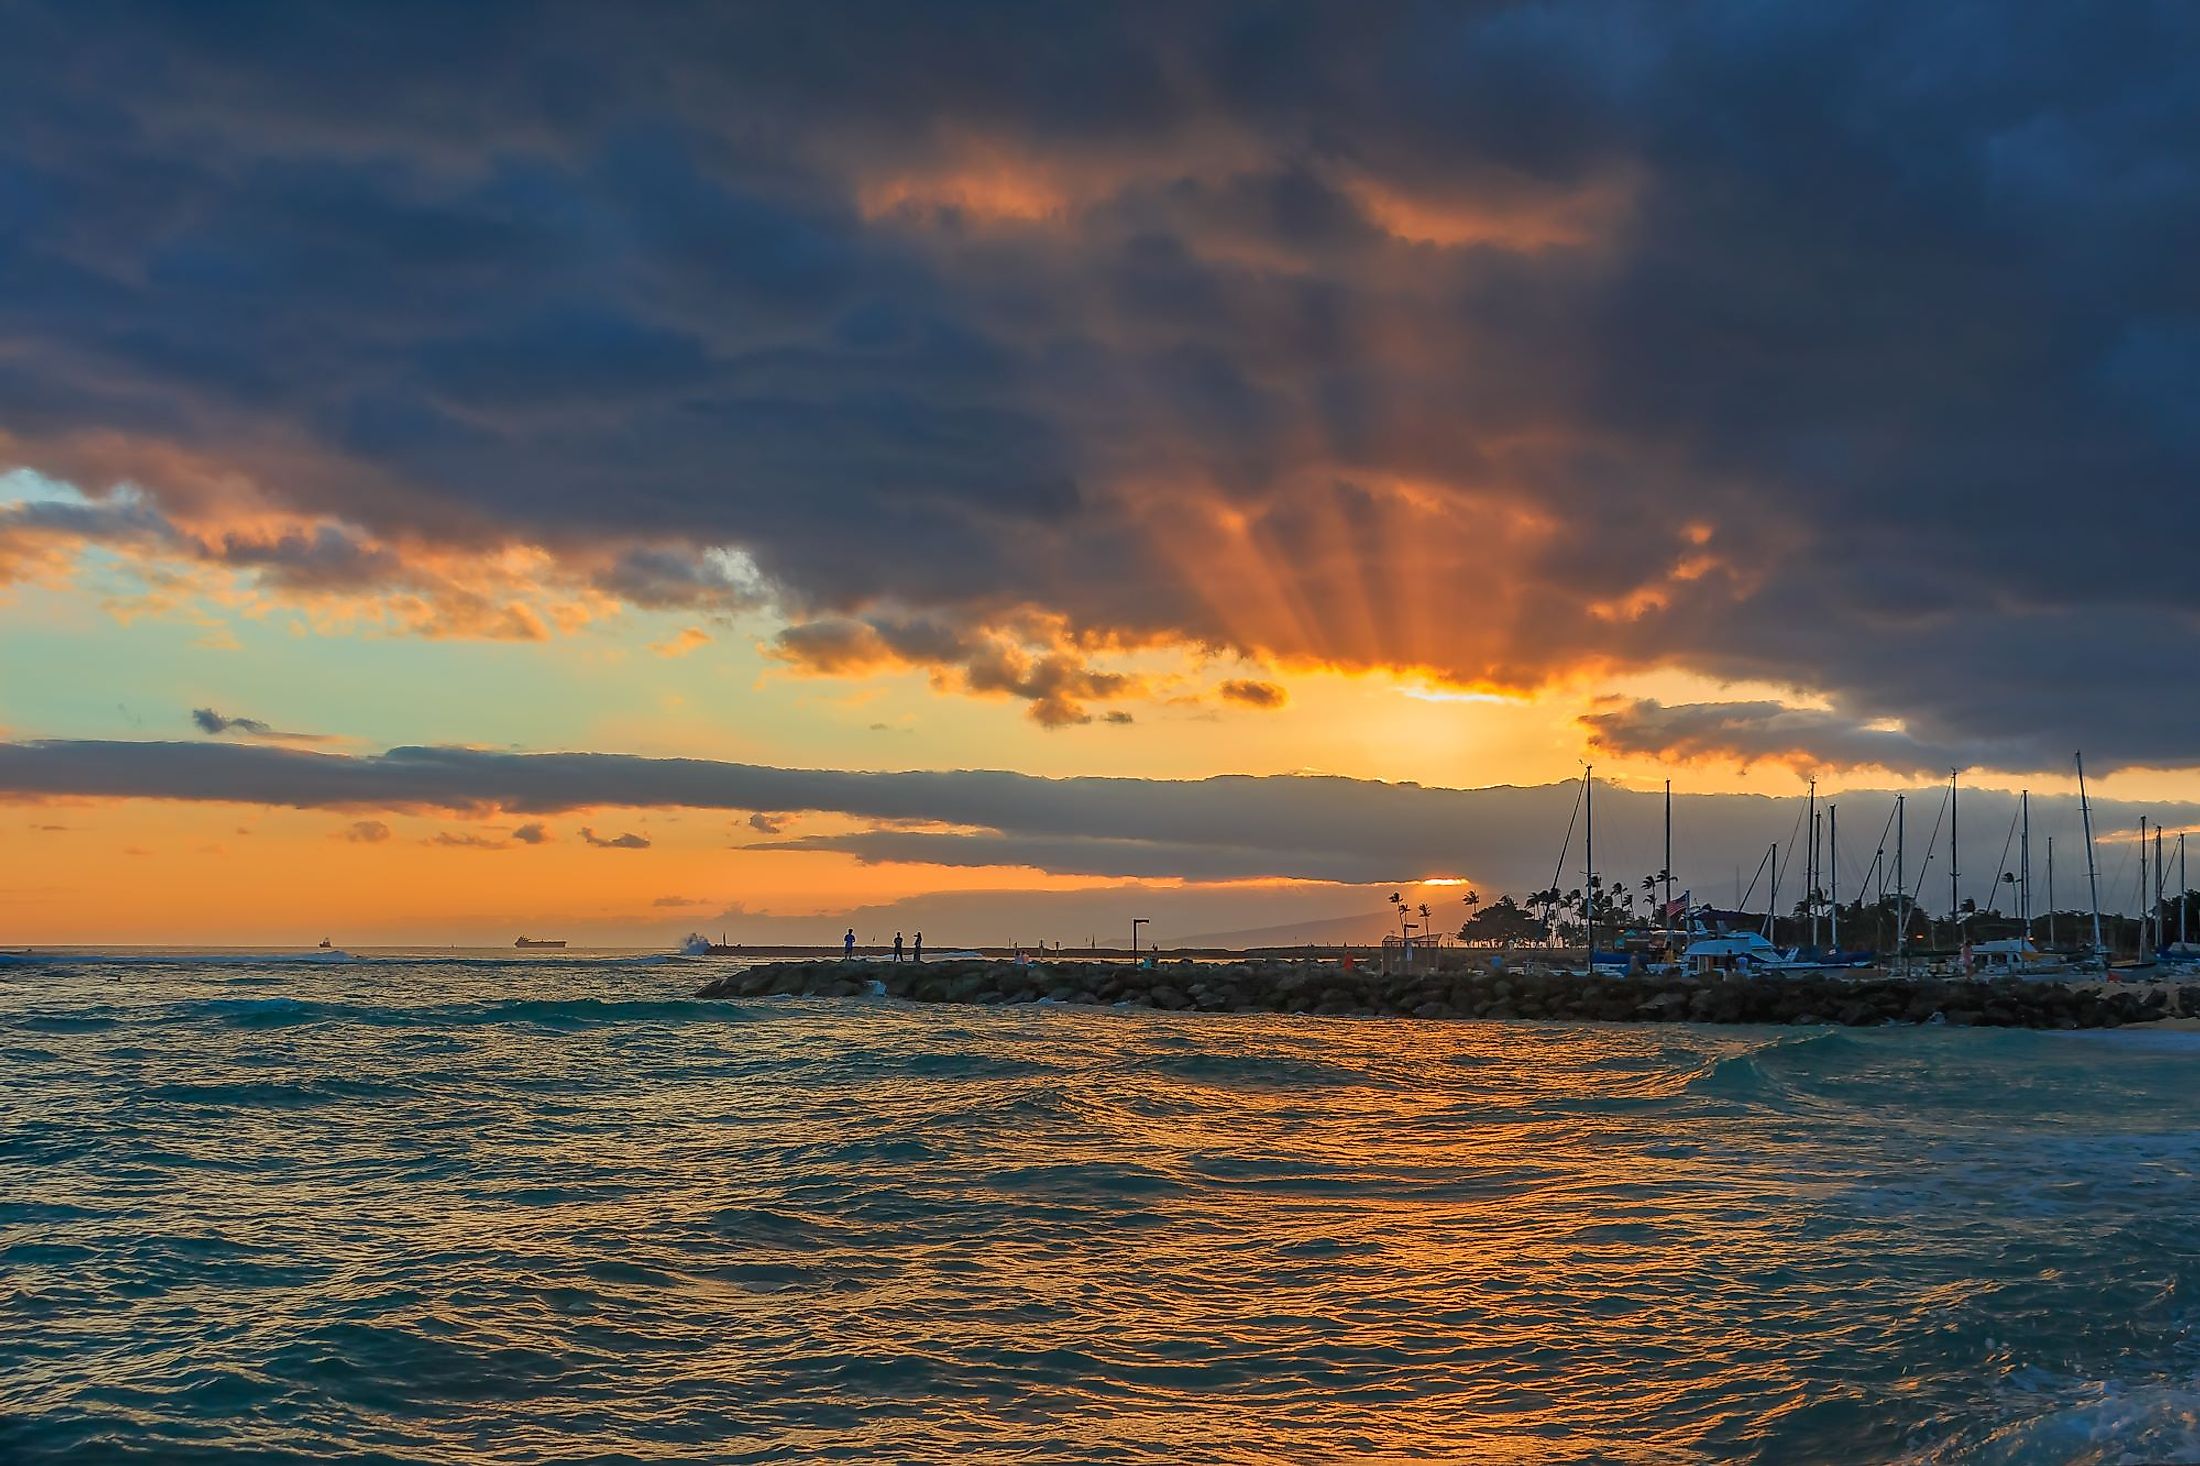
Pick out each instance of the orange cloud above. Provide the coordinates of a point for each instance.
(1510, 214)
(1254, 694)
(686, 640)
(1034, 658)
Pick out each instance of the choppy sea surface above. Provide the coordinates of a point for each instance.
(425, 1209)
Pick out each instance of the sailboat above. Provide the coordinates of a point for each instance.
(2099, 955)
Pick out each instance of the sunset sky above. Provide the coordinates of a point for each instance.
(1056, 411)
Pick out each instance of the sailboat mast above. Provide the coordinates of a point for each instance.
(2161, 924)
(2144, 918)
(2050, 890)
(1955, 904)
(1833, 858)
(1772, 906)
(2092, 873)
(1810, 865)
(2182, 888)
(1901, 888)
(2024, 863)
(1589, 854)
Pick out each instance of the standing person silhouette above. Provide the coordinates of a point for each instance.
(919, 957)
(897, 946)
(848, 946)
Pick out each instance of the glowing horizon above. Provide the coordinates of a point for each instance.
(1417, 426)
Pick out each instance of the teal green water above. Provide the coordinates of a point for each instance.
(421, 1210)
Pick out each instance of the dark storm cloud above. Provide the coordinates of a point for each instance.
(1750, 732)
(1254, 694)
(211, 722)
(1846, 347)
(661, 578)
(1235, 827)
(1055, 680)
(326, 559)
(215, 724)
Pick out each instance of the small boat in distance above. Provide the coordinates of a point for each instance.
(327, 945)
(538, 942)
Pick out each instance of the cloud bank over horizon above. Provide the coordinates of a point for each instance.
(1212, 832)
(1848, 350)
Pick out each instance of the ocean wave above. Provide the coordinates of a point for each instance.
(68, 1022)
(278, 1094)
(286, 1011)
(274, 1012)
(2107, 1422)
(538, 1203)
(1264, 1071)
(586, 1012)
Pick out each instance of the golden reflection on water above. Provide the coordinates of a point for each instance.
(419, 1216)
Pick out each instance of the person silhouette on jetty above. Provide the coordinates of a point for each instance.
(897, 946)
(848, 946)
(919, 956)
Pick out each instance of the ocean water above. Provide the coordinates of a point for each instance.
(425, 1210)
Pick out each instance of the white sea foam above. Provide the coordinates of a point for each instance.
(2100, 1423)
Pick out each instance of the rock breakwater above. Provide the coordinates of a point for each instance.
(1864, 1000)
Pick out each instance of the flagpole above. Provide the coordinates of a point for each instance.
(1669, 869)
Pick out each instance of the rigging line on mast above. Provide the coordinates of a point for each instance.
(1550, 920)
(1877, 855)
(2002, 868)
(2115, 878)
(1780, 871)
(1829, 877)
(1884, 831)
(1947, 791)
(1759, 871)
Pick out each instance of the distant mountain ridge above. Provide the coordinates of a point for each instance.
(1359, 929)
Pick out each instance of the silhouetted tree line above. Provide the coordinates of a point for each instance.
(1564, 913)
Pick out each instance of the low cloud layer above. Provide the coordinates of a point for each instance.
(1226, 829)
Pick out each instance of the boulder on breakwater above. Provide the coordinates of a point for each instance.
(1279, 986)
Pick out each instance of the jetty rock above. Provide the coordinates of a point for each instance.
(1328, 989)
